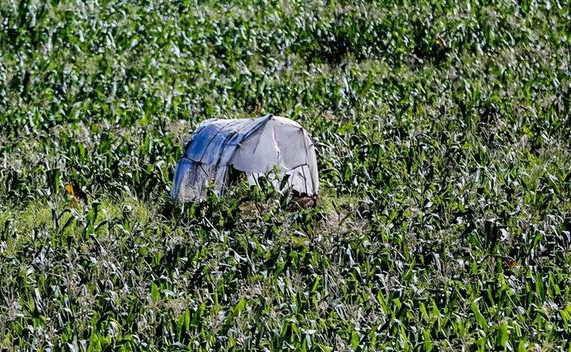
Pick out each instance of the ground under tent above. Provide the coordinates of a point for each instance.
(254, 147)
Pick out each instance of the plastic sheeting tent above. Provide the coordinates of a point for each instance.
(252, 146)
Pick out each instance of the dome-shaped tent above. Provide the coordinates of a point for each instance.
(252, 146)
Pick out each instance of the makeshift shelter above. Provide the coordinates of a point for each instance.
(254, 147)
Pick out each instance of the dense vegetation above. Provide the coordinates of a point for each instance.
(442, 132)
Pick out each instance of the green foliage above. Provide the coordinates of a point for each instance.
(442, 132)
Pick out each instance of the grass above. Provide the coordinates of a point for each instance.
(442, 133)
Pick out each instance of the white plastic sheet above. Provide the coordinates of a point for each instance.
(253, 146)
